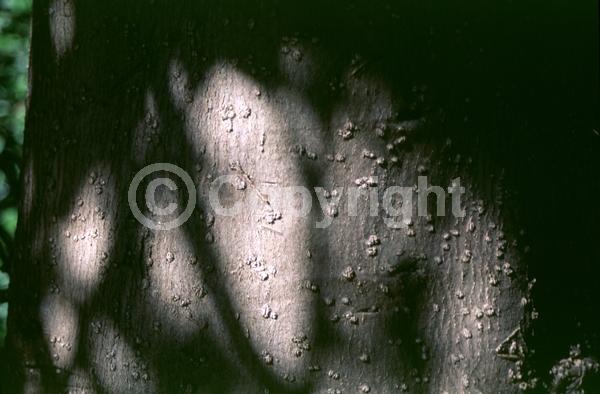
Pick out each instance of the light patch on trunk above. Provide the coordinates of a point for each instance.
(177, 303)
(147, 130)
(179, 85)
(234, 120)
(62, 26)
(83, 249)
(60, 322)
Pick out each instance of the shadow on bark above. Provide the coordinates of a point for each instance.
(119, 47)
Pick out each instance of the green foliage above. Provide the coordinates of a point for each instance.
(14, 42)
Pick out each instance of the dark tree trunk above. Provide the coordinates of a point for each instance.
(99, 303)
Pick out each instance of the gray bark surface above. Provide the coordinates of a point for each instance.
(101, 304)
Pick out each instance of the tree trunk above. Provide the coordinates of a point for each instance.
(276, 96)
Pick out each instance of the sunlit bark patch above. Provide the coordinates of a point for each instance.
(241, 129)
(179, 85)
(60, 321)
(176, 299)
(62, 25)
(148, 129)
(81, 253)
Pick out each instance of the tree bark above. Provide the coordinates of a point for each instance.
(277, 96)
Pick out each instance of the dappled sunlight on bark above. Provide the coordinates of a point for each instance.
(255, 128)
(80, 254)
(265, 299)
(60, 319)
(173, 291)
(62, 25)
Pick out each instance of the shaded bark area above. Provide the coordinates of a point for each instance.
(309, 96)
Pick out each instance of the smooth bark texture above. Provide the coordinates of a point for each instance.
(269, 93)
